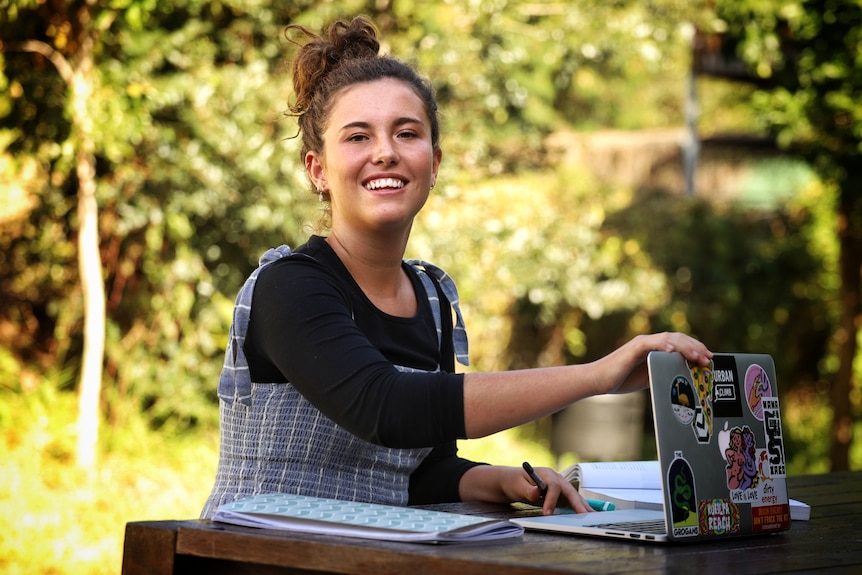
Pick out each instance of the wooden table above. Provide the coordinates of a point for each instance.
(831, 542)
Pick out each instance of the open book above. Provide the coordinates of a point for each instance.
(365, 520)
(635, 485)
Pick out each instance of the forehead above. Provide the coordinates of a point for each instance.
(376, 101)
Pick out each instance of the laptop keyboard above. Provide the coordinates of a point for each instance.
(647, 526)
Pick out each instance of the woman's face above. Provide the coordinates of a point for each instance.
(378, 163)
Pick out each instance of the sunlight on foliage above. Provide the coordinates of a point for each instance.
(536, 237)
(61, 519)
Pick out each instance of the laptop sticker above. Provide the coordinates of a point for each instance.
(752, 470)
(757, 386)
(683, 399)
(774, 441)
(768, 514)
(726, 399)
(702, 378)
(740, 452)
(770, 517)
(683, 497)
(718, 517)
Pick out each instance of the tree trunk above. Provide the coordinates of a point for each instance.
(79, 81)
(850, 264)
(89, 257)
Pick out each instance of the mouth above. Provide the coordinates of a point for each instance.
(384, 184)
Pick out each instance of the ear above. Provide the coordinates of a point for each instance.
(435, 166)
(314, 168)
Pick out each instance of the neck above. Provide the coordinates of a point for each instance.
(380, 253)
(375, 265)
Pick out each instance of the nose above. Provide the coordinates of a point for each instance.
(385, 152)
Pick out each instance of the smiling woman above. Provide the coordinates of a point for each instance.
(339, 378)
(377, 163)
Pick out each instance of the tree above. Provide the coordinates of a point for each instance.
(76, 68)
(807, 56)
(164, 126)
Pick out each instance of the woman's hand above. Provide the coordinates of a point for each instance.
(625, 369)
(498, 484)
(559, 492)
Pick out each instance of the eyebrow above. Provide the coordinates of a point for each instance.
(398, 122)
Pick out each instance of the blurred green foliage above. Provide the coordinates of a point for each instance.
(198, 173)
(804, 59)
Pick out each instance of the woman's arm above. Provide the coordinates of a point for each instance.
(500, 400)
(303, 325)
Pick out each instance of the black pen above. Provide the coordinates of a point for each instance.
(543, 488)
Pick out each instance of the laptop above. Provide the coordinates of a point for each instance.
(720, 452)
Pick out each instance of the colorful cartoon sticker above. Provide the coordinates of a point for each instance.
(702, 378)
(683, 399)
(740, 453)
(683, 497)
(757, 386)
(718, 517)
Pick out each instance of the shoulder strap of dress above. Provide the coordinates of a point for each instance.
(459, 330)
(235, 380)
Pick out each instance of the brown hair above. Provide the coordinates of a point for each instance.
(346, 55)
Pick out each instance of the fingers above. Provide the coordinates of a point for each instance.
(569, 497)
(691, 348)
(559, 492)
(537, 493)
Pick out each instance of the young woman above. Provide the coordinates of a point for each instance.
(339, 379)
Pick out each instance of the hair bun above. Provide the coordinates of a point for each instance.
(321, 55)
(352, 41)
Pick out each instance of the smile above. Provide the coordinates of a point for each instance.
(384, 183)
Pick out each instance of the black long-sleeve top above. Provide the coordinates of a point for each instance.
(312, 325)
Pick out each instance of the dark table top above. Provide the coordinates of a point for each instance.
(830, 542)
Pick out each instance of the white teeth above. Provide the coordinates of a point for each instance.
(384, 183)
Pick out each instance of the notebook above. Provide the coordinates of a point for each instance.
(720, 452)
(365, 520)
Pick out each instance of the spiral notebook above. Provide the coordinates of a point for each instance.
(720, 456)
(324, 516)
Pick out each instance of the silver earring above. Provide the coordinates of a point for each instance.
(319, 196)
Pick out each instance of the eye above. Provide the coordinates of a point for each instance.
(357, 138)
(408, 134)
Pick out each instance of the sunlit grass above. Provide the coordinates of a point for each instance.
(60, 519)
